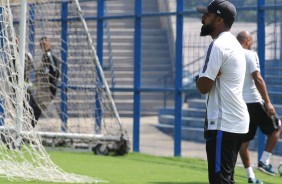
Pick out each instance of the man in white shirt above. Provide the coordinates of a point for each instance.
(262, 112)
(221, 79)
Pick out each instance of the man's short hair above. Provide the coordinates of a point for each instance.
(43, 38)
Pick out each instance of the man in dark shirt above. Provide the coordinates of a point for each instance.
(47, 76)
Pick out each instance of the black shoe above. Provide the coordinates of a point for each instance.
(266, 168)
(254, 180)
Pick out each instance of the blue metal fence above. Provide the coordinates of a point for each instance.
(180, 13)
(178, 89)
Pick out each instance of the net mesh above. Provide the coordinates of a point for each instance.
(62, 90)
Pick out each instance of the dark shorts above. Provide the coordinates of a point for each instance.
(259, 118)
(222, 150)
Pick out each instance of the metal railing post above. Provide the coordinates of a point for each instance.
(64, 67)
(178, 79)
(261, 54)
(137, 73)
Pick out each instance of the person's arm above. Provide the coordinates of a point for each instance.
(260, 84)
(31, 60)
(204, 84)
(57, 63)
(210, 69)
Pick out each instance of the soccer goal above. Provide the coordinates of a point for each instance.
(53, 89)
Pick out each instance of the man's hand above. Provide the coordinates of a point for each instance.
(270, 109)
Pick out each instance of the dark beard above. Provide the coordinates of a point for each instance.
(206, 30)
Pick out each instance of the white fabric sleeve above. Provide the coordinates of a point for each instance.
(213, 63)
(253, 62)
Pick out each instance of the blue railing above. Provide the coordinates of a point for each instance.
(138, 40)
(111, 63)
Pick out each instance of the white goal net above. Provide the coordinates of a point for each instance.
(58, 94)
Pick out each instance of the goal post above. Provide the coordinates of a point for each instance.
(52, 88)
(83, 100)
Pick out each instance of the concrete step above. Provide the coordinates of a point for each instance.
(146, 53)
(186, 112)
(278, 109)
(274, 87)
(118, 46)
(197, 103)
(147, 39)
(130, 31)
(145, 66)
(186, 121)
(273, 80)
(151, 84)
(275, 97)
(79, 33)
(146, 74)
(146, 60)
(188, 133)
(273, 70)
(153, 107)
(145, 95)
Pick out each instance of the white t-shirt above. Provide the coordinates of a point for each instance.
(250, 91)
(226, 109)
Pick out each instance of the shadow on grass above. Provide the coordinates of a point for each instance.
(173, 161)
(192, 182)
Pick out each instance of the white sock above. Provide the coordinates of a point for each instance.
(265, 157)
(250, 173)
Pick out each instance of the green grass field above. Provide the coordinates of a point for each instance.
(137, 168)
